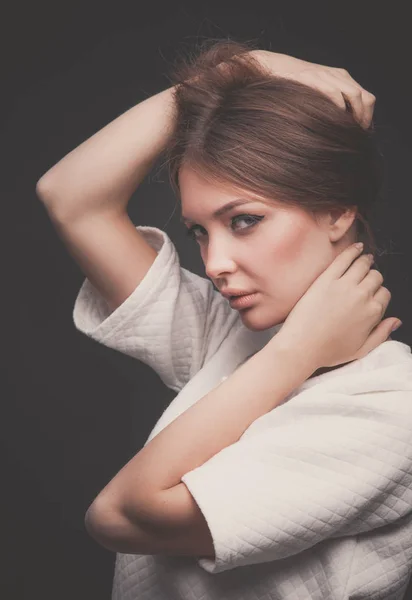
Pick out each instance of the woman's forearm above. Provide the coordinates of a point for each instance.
(215, 421)
(105, 170)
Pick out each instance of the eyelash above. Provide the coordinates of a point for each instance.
(256, 218)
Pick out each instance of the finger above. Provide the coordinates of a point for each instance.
(358, 272)
(368, 101)
(342, 262)
(383, 298)
(377, 336)
(314, 80)
(343, 73)
(373, 281)
(351, 92)
(367, 98)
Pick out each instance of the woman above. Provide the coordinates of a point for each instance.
(287, 450)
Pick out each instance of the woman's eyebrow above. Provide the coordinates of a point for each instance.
(222, 210)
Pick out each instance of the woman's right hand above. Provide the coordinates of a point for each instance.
(339, 317)
(334, 82)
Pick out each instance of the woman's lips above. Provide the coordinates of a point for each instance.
(243, 301)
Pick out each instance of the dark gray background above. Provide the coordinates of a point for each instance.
(75, 412)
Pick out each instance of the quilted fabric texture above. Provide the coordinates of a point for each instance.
(315, 499)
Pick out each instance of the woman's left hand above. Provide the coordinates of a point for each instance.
(334, 82)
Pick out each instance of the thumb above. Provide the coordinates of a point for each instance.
(377, 336)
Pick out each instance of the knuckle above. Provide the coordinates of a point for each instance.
(363, 292)
(377, 274)
(356, 91)
(376, 307)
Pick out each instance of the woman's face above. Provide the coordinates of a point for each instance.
(275, 250)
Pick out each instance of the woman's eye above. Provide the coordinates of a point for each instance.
(253, 220)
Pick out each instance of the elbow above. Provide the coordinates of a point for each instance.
(93, 523)
(110, 529)
(90, 521)
(47, 193)
(43, 188)
(98, 523)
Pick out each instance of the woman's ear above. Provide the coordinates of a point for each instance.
(342, 223)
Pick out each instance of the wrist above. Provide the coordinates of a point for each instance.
(300, 358)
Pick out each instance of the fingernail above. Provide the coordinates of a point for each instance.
(359, 245)
(396, 326)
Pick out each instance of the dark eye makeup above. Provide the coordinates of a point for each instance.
(191, 231)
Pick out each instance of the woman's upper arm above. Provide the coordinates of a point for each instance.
(155, 311)
(110, 251)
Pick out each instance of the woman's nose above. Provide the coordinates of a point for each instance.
(218, 262)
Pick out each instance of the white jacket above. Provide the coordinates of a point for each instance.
(315, 499)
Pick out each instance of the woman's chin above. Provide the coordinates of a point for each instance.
(255, 320)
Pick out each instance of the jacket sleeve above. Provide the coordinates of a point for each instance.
(320, 466)
(174, 320)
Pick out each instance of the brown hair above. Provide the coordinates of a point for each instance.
(239, 125)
